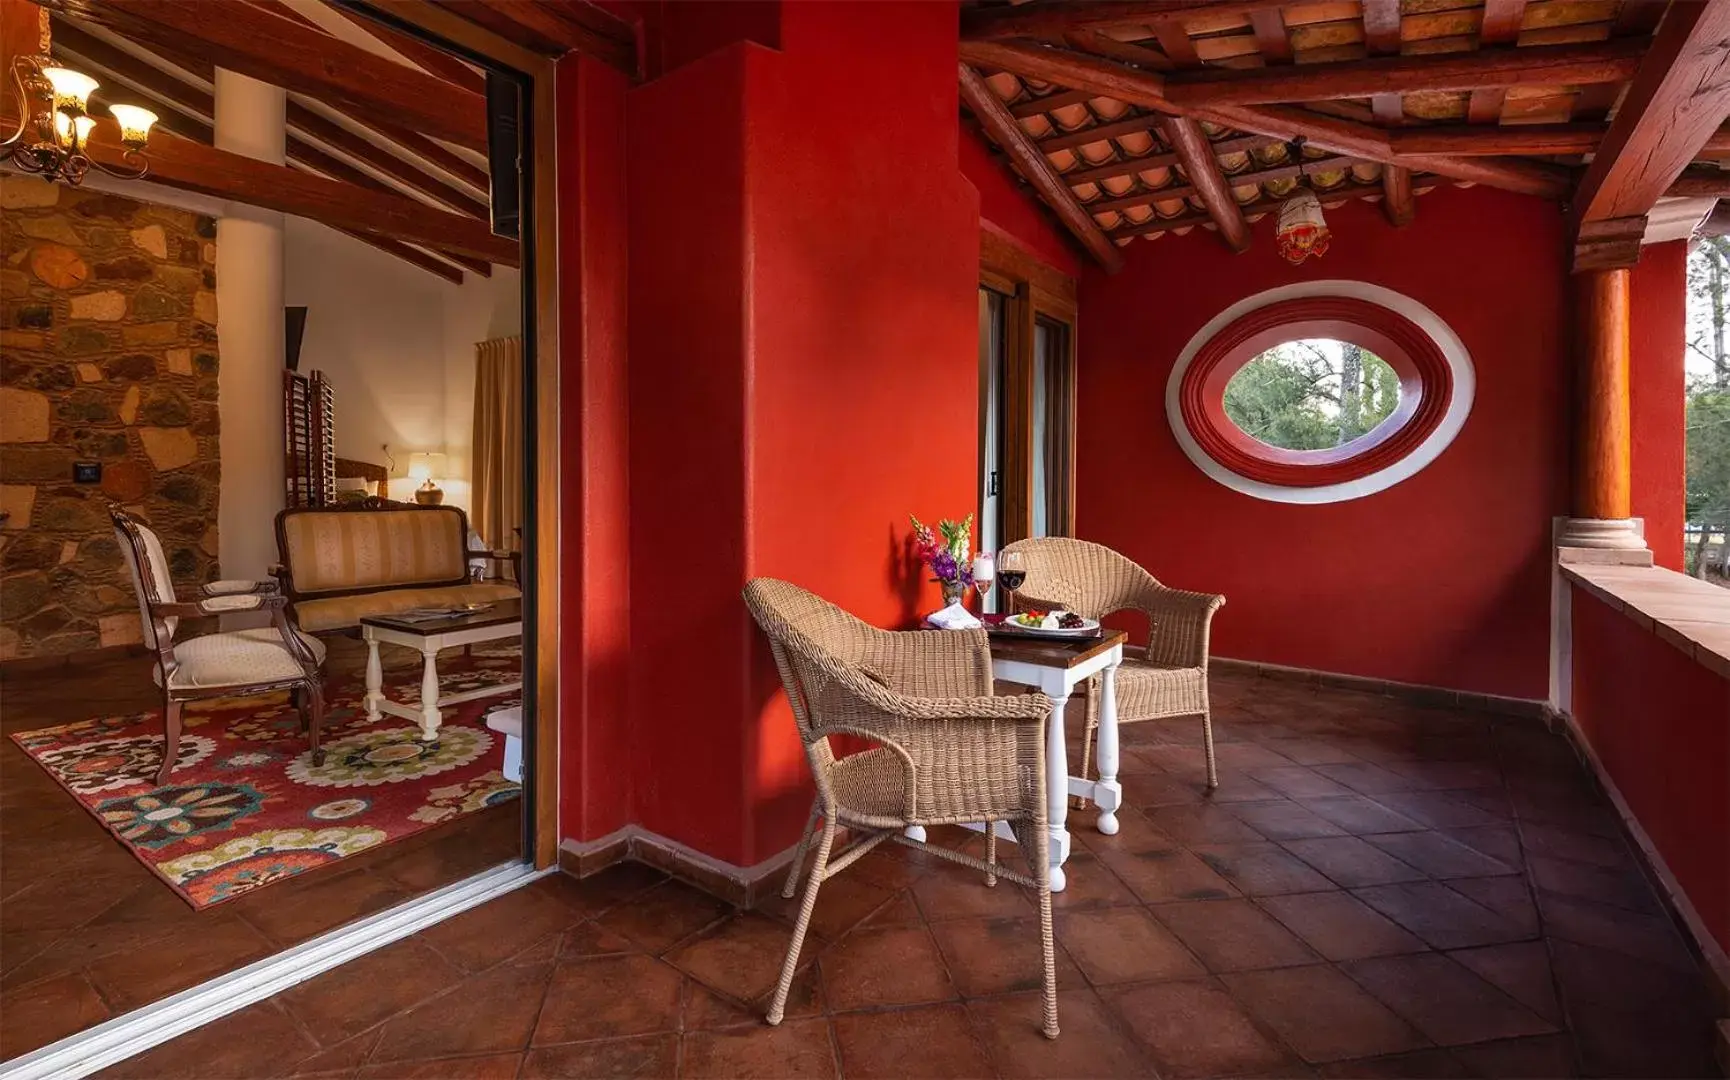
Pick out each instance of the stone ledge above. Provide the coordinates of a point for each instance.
(1691, 614)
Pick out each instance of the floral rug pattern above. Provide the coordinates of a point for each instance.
(245, 805)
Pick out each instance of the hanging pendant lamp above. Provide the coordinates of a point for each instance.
(1303, 230)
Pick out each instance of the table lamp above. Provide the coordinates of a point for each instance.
(424, 467)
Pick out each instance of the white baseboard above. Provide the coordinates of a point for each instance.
(137, 1031)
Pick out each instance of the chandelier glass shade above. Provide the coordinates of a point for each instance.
(54, 125)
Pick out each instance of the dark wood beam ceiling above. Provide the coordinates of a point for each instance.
(1047, 19)
(1196, 155)
(553, 29)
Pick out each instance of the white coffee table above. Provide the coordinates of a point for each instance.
(501, 620)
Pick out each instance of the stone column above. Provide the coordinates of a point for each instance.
(1602, 508)
(249, 293)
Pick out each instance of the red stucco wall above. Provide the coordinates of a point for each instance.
(1657, 388)
(1656, 720)
(1012, 206)
(1440, 580)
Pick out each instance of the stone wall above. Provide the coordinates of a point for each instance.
(108, 354)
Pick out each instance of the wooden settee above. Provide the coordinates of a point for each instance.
(338, 565)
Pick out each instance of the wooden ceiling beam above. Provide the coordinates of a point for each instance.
(1480, 140)
(1232, 180)
(1262, 207)
(1131, 166)
(1063, 99)
(274, 49)
(1195, 153)
(1007, 134)
(1675, 105)
(1078, 71)
(1398, 205)
(1538, 65)
(1069, 140)
(1705, 184)
(1271, 36)
(1047, 19)
(432, 60)
(1500, 26)
(554, 29)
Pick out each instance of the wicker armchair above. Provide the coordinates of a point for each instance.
(1167, 678)
(947, 751)
(227, 664)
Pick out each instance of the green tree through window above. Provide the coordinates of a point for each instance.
(1312, 394)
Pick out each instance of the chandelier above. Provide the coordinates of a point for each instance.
(54, 124)
(1302, 231)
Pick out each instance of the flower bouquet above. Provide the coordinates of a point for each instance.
(947, 554)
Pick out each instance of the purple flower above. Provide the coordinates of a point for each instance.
(943, 565)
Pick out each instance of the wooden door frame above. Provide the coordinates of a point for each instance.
(1033, 290)
(540, 259)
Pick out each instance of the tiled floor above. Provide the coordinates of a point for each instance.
(1376, 890)
(88, 932)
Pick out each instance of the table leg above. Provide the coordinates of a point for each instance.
(1107, 792)
(374, 676)
(429, 695)
(1057, 791)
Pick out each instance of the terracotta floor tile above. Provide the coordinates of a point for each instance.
(1194, 1028)
(956, 892)
(1121, 945)
(1300, 781)
(1165, 874)
(1522, 971)
(1509, 897)
(36, 1015)
(937, 1041)
(899, 911)
(1620, 983)
(1359, 815)
(1444, 918)
(1440, 810)
(844, 902)
(1091, 1044)
(589, 939)
(257, 1041)
(1417, 1065)
(1643, 1045)
(492, 1012)
(1599, 884)
(1233, 935)
(1520, 1059)
(1262, 869)
(1339, 926)
(795, 1049)
(1499, 842)
(650, 1057)
(1203, 824)
(476, 1067)
(1092, 884)
(666, 914)
(996, 956)
(49, 904)
(741, 957)
(1440, 857)
(610, 997)
(1445, 1000)
(1309, 751)
(291, 918)
(486, 935)
(130, 979)
(1352, 863)
(1648, 937)
(604, 890)
(1367, 779)
(1284, 820)
(872, 968)
(344, 1059)
(1560, 843)
(347, 1000)
(1321, 1014)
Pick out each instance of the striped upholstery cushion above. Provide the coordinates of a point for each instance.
(340, 551)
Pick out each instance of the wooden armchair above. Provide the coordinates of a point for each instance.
(220, 664)
(1165, 679)
(947, 751)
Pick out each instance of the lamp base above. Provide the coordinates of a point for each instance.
(429, 495)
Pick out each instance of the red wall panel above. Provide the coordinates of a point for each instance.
(1656, 720)
(1441, 580)
(1657, 378)
(1011, 206)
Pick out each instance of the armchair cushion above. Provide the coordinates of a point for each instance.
(236, 659)
(342, 612)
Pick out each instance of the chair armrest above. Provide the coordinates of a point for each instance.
(220, 605)
(932, 663)
(1181, 622)
(236, 587)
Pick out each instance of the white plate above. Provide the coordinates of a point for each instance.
(1088, 627)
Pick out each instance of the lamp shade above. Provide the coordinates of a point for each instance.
(134, 124)
(71, 88)
(425, 466)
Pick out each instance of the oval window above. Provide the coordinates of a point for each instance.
(1319, 392)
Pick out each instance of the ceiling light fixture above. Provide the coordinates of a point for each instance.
(54, 124)
(1302, 231)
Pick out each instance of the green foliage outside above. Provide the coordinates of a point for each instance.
(1708, 408)
(1312, 394)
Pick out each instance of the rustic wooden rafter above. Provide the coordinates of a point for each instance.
(1272, 39)
(994, 117)
(415, 51)
(1069, 140)
(256, 42)
(1051, 20)
(1196, 155)
(1262, 207)
(1677, 102)
(553, 29)
(1397, 202)
(1500, 26)
(1287, 171)
(1164, 160)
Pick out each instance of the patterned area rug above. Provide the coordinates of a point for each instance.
(246, 807)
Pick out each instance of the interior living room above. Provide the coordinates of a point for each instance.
(230, 434)
(1061, 538)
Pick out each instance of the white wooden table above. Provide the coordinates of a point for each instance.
(501, 620)
(1055, 667)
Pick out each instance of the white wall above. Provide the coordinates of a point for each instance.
(397, 344)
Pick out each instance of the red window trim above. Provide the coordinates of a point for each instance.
(1426, 388)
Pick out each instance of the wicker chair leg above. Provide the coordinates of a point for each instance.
(1048, 952)
(990, 852)
(792, 884)
(1207, 746)
(819, 867)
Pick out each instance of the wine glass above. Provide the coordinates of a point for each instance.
(1011, 573)
(984, 576)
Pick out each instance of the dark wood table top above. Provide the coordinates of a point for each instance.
(1052, 651)
(499, 614)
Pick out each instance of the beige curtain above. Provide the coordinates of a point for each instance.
(498, 442)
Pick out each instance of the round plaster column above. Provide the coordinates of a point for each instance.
(249, 301)
(1603, 442)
